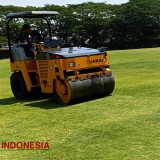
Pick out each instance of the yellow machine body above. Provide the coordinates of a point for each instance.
(61, 71)
(70, 74)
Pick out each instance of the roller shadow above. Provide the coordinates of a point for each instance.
(52, 103)
(8, 101)
(45, 103)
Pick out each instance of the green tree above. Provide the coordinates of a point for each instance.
(93, 21)
(137, 23)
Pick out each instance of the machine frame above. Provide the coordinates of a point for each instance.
(72, 73)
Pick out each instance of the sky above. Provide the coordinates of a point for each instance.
(41, 3)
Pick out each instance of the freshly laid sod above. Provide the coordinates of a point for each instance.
(124, 126)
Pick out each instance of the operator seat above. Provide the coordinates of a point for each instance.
(21, 52)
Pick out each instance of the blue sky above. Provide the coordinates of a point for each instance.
(41, 3)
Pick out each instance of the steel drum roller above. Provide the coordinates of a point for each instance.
(68, 91)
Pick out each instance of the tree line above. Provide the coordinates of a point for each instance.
(135, 24)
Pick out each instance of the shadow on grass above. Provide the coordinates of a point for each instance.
(44, 103)
(8, 101)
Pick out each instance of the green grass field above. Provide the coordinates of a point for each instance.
(124, 126)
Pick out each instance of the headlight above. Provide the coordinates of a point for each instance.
(71, 64)
(107, 69)
(104, 59)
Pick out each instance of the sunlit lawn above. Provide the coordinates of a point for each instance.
(124, 126)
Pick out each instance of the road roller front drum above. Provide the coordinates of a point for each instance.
(69, 91)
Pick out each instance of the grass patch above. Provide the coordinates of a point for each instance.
(125, 125)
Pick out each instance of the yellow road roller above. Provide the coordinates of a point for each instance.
(69, 73)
